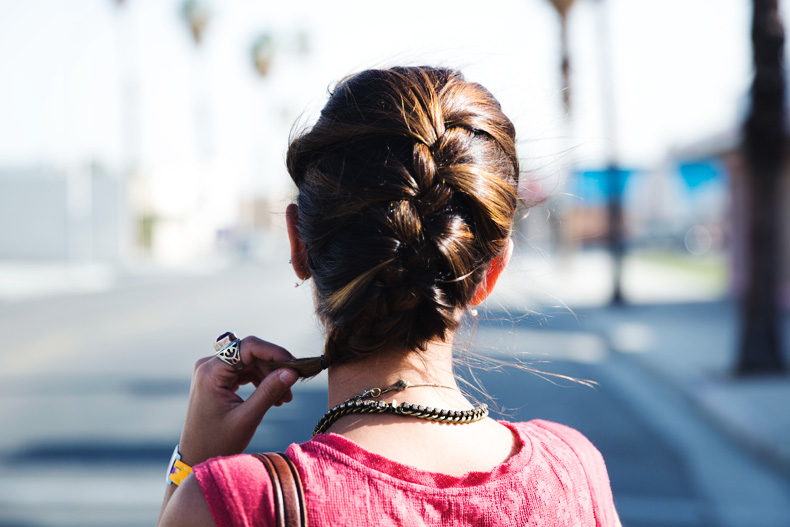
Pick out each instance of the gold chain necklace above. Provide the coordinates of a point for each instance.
(364, 403)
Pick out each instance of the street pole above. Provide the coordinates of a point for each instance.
(615, 223)
(614, 174)
(765, 138)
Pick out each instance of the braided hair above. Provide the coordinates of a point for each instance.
(407, 191)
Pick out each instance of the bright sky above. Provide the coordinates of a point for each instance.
(680, 72)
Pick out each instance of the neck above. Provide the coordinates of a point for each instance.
(433, 366)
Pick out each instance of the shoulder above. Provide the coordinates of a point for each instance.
(547, 434)
(231, 471)
(236, 489)
(214, 494)
(563, 443)
(566, 446)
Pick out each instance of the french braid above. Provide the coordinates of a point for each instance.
(407, 191)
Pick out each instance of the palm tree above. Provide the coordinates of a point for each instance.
(764, 148)
(262, 54)
(562, 7)
(197, 15)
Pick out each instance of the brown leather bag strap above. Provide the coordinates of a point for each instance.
(289, 505)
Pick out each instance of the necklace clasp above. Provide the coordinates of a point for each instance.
(373, 392)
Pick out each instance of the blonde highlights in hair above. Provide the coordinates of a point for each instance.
(407, 191)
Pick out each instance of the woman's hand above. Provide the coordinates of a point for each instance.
(218, 421)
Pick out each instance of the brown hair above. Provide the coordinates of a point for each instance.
(407, 191)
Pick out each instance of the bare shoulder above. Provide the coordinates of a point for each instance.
(187, 507)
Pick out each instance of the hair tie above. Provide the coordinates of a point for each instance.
(324, 363)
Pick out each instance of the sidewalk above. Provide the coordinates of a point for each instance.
(678, 327)
(20, 281)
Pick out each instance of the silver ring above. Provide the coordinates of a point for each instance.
(228, 350)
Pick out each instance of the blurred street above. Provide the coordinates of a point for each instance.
(93, 389)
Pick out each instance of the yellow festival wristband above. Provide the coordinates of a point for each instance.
(178, 470)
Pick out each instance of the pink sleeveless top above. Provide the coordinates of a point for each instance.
(556, 478)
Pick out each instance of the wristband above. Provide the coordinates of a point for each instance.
(177, 470)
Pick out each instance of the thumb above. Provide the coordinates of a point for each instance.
(268, 392)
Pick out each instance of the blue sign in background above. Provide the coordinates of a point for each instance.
(698, 172)
(595, 186)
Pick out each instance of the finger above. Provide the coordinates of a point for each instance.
(200, 362)
(208, 370)
(241, 365)
(244, 378)
(272, 389)
(254, 348)
(215, 367)
(254, 354)
(220, 375)
(253, 376)
(287, 398)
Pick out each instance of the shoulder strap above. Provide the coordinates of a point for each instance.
(289, 505)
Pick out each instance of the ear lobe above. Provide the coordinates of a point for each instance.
(493, 272)
(298, 248)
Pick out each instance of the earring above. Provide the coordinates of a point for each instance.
(300, 282)
(473, 311)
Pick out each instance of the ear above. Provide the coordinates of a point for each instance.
(298, 249)
(493, 273)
